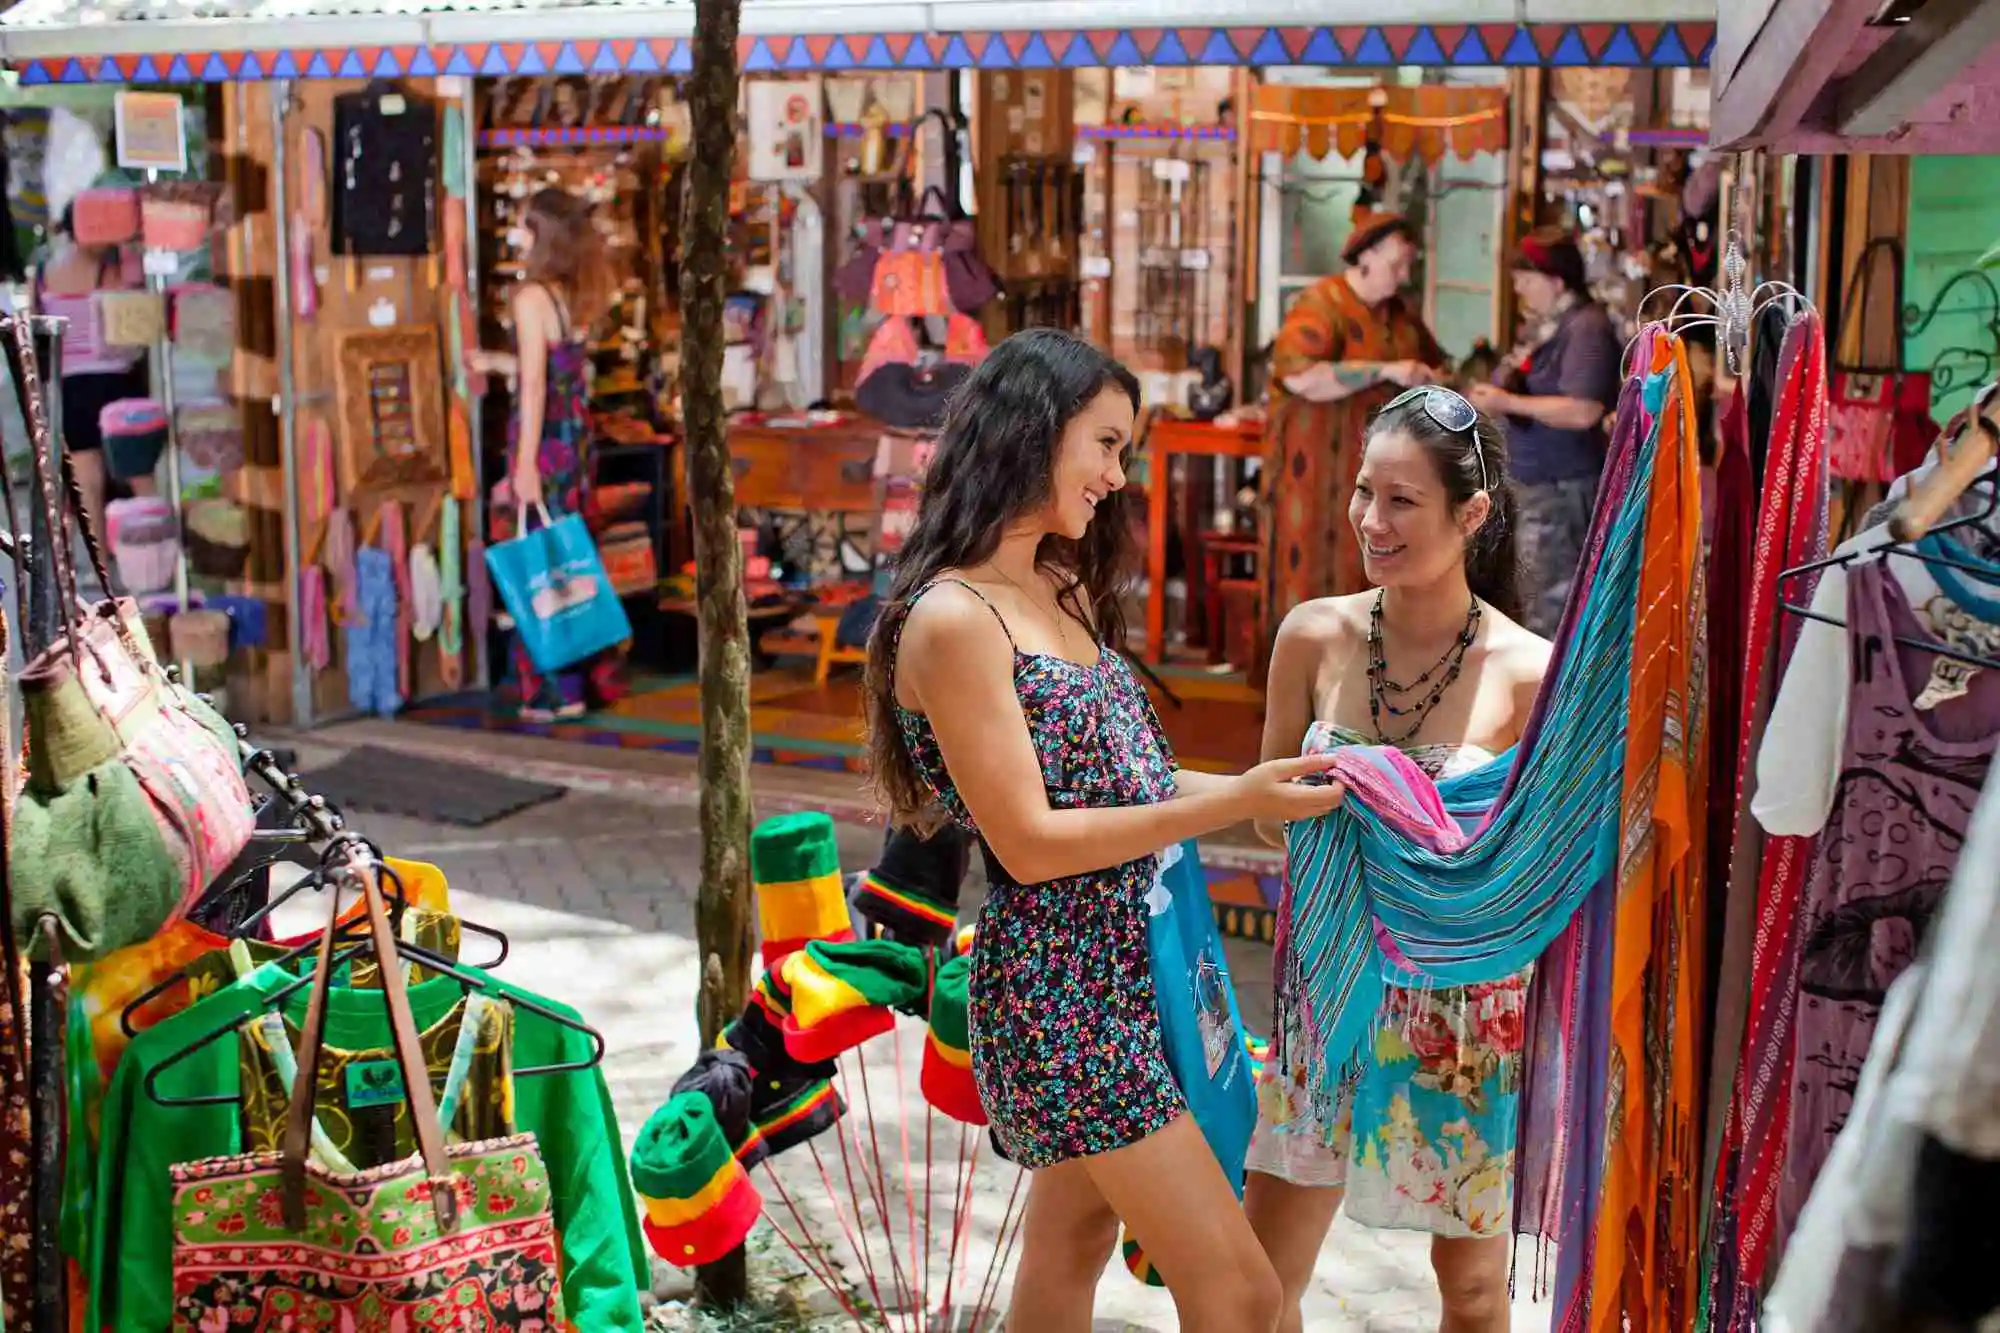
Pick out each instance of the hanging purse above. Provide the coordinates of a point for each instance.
(969, 280)
(462, 1236)
(210, 434)
(130, 319)
(1878, 420)
(134, 798)
(105, 216)
(177, 215)
(204, 321)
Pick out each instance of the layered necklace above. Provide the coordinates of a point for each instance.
(1439, 676)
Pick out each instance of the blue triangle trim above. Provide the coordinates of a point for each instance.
(800, 57)
(350, 65)
(36, 73)
(1622, 49)
(282, 67)
(108, 71)
(459, 63)
(1124, 52)
(1219, 50)
(423, 64)
(253, 68)
(877, 55)
(838, 56)
(957, 55)
(1521, 50)
(761, 58)
(645, 62)
(1036, 54)
(214, 71)
(605, 61)
(1170, 50)
(680, 61)
(996, 55)
(73, 72)
(1471, 50)
(1707, 54)
(1571, 50)
(1324, 50)
(1670, 50)
(387, 66)
(494, 62)
(178, 71)
(1271, 50)
(1424, 49)
(567, 60)
(1374, 49)
(531, 60)
(1080, 54)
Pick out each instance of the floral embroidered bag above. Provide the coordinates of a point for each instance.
(460, 1238)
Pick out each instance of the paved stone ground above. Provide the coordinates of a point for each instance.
(596, 895)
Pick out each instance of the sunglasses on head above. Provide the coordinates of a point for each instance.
(1452, 411)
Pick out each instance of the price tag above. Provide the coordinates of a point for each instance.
(1195, 261)
(1096, 266)
(1084, 154)
(1173, 170)
(162, 263)
(382, 314)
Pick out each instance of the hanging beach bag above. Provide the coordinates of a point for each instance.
(130, 319)
(1878, 418)
(460, 1237)
(134, 798)
(135, 435)
(553, 584)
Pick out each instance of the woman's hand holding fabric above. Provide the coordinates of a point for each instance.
(1275, 791)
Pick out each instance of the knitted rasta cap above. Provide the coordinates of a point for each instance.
(911, 893)
(843, 993)
(788, 1109)
(962, 942)
(1136, 1262)
(795, 866)
(757, 1035)
(724, 1077)
(946, 1079)
(699, 1202)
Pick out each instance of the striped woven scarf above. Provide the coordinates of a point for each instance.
(1392, 887)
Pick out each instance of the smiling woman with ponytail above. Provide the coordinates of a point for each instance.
(1431, 659)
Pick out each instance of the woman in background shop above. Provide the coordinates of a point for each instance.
(93, 374)
(563, 291)
(1348, 344)
(1556, 389)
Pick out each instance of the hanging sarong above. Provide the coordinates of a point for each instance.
(1391, 887)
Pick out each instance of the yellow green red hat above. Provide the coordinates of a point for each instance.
(843, 993)
(1136, 1262)
(946, 1078)
(795, 868)
(699, 1202)
(788, 1108)
(911, 892)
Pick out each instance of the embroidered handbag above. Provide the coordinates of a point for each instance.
(210, 434)
(107, 216)
(177, 215)
(204, 321)
(461, 1238)
(130, 319)
(1878, 419)
(134, 798)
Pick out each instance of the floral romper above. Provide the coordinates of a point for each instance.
(563, 460)
(1066, 1044)
(1424, 1136)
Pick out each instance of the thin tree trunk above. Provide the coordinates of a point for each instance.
(722, 903)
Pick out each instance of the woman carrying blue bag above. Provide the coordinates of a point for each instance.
(548, 476)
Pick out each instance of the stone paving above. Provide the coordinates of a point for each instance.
(596, 895)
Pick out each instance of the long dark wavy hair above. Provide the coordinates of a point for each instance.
(995, 457)
(1492, 556)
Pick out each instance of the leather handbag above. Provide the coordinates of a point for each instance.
(134, 798)
(461, 1236)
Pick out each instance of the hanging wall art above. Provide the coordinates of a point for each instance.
(391, 408)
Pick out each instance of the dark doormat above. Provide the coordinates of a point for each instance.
(391, 783)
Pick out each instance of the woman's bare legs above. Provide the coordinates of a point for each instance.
(1173, 1197)
(1291, 1221)
(1067, 1235)
(1472, 1281)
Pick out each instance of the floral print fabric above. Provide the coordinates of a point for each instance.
(1423, 1138)
(1066, 1044)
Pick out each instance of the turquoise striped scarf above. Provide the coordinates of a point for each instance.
(1470, 879)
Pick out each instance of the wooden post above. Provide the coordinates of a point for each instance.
(722, 903)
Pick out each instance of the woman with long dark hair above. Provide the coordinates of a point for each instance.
(1431, 660)
(995, 688)
(563, 293)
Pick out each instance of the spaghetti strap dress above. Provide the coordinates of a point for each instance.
(1067, 1051)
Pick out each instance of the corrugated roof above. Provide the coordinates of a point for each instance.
(64, 13)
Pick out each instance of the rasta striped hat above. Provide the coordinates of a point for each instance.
(788, 1109)
(946, 1079)
(843, 993)
(795, 868)
(911, 893)
(698, 1199)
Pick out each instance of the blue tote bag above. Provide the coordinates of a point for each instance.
(554, 586)
(1202, 1026)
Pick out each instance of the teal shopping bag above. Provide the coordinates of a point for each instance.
(1202, 1027)
(554, 586)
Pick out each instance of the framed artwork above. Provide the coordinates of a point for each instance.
(391, 408)
(786, 129)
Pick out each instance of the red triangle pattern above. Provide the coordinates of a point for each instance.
(548, 52)
(1497, 37)
(1296, 40)
(1102, 40)
(233, 61)
(1397, 35)
(744, 46)
(817, 47)
(899, 44)
(1015, 42)
(587, 51)
(1146, 39)
(1547, 37)
(622, 51)
(127, 65)
(1194, 40)
(663, 49)
(1245, 40)
(857, 48)
(1449, 35)
(1060, 43)
(1647, 36)
(1696, 37)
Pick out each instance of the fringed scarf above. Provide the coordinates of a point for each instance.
(1471, 880)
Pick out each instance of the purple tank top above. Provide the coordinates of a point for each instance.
(1909, 780)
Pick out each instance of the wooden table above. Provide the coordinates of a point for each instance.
(1167, 438)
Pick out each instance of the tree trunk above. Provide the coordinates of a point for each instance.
(722, 904)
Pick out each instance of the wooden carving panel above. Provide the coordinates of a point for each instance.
(391, 410)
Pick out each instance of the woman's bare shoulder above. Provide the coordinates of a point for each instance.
(1326, 623)
(1516, 651)
(534, 301)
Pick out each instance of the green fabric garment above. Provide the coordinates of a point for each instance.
(131, 1277)
(948, 1004)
